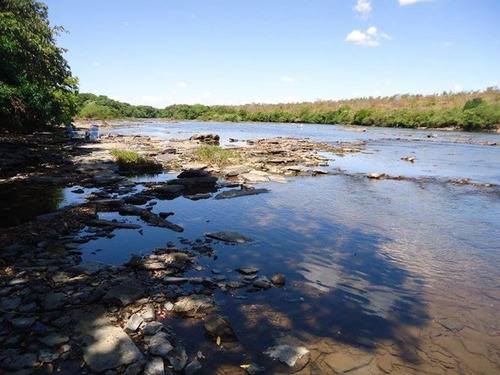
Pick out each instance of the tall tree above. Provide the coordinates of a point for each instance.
(36, 85)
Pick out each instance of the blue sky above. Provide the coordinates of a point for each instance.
(163, 52)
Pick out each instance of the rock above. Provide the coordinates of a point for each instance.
(23, 322)
(124, 293)
(152, 328)
(255, 176)
(346, 362)
(53, 301)
(109, 348)
(155, 366)
(376, 176)
(149, 313)
(191, 305)
(192, 368)
(54, 339)
(262, 283)
(133, 323)
(218, 326)
(233, 193)
(254, 369)
(177, 358)
(159, 345)
(206, 138)
(169, 306)
(231, 237)
(46, 356)
(113, 224)
(248, 270)
(194, 173)
(19, 361)
(288, 354)
(278, 279)
(10, 304)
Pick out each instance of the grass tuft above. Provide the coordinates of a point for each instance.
(216, 155)
(130, 161)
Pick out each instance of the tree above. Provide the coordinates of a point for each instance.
(37, 89)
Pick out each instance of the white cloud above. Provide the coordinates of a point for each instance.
(457, 87)
(182, 84)
(95, 63)
(207, 94)
(363, 7)
(410, 2)
(371, 37)
(287, 79)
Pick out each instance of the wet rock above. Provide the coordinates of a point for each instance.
(376, 175)
(124, 293)
(169, 190)
(193, 368)
(10, 304)
(231, 237)
(153, 328)
(155, 366)
(262, 283)
(248, 270)
(234, 193)
(177, 358)
(133, 323)
(291, 355)
(109, 348)
(343, 363)
(175, 280)
(46, 356)
(159, 345)
(192, 305)
(278, 279)
(218, 326)
(255, 369)
(113, 224)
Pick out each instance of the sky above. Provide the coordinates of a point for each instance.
(164, 52)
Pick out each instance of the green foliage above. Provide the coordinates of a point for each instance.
(129, 161)
(36, 86)
(216, 155)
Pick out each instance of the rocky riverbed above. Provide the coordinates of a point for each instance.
(62, 315)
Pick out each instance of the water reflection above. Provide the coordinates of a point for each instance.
(22, 205)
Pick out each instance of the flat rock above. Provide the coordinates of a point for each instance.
(152, 328)
(232, 237)
(247, 270)
(124, 293)
(53, 301)
(133, 323)
(234, 193)
(191, 305)
(109, 348)
(54, 339)
(345, 362)
(178, 358)
(159, 345)
(155, 366)
(287, 354)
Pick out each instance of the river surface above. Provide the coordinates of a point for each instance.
(382, 276)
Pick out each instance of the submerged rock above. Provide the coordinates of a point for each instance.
(191, 305)
(291, 355)
(232, 237)
(218, 326)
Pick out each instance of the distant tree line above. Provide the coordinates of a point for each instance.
(471, 111)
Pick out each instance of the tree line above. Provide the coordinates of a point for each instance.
(471, 111)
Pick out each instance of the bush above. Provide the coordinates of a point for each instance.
(129, 161)
(216, 155)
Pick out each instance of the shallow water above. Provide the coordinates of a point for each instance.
(404, 273)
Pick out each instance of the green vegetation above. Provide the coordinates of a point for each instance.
(130, 161)
(471, 111)
(37, 89)
(216, 155)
